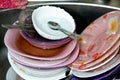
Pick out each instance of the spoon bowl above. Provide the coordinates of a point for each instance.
(56, 26)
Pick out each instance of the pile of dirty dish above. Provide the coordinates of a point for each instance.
(100, 51)
(44, 53)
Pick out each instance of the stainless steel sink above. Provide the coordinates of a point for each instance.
(83, 14)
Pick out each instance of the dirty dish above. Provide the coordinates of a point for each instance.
(41, 16)
(99, 37)
(105, 58)
(43, 63)
(111, 64)
(29, 77)
(88, 66)
(40, 72)
(27, 50)
(71, 58)
(40, 42)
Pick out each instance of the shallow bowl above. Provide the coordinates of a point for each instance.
(40, 42)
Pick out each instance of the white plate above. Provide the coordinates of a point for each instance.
(28, 77)
(114, 62)
(10, 73)
(40, 72)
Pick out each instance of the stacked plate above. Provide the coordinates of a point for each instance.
(99, 50)
(46, 54)
(39, 58)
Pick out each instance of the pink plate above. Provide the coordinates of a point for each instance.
(29, 61)
(111, 64)
(10, 42)
(90, 66)
(99, 37)
(72, 58)
(111, 52)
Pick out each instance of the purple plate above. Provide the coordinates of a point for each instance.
(38, 41)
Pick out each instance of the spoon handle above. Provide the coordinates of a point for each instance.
(9, 26)
(70, 34)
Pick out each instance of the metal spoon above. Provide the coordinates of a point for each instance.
(56, 26)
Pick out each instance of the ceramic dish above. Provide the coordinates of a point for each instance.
(10, 73)
(41, 16)
(111, 74)
(109, 54)
(111, 64)
(27, 50)
(99, 37)
(29, 77)
(42, 63)
(40, 72)
(72, 58)
(39, 41)
(103, 62)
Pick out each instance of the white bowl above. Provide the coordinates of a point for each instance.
(42, 15)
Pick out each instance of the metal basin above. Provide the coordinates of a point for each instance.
(83, 14)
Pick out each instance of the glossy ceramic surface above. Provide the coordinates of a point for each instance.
(98, 38)
(40, 72)
(111, 64)
(42, 63)
(71, 58)
(103, 59)
(29, 77)
(41, 42)
(41, 16)
(27, 50)
(83, 13)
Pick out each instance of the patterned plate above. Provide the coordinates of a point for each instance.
(99, 37)
(111, 64)
(96, 63)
